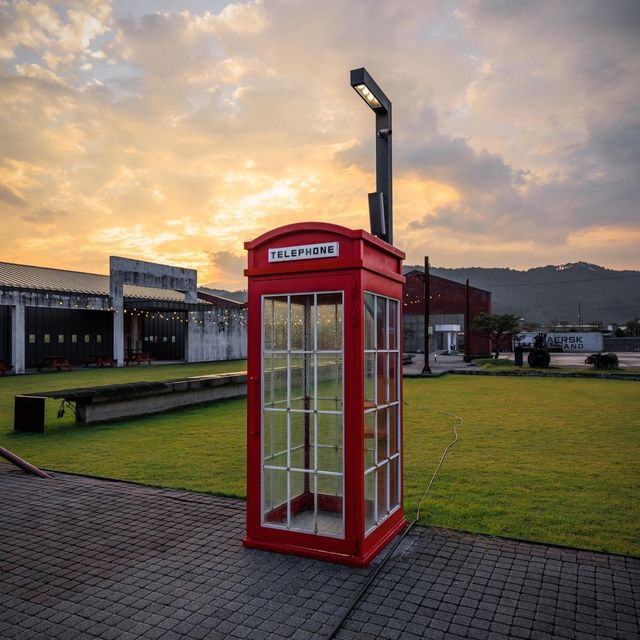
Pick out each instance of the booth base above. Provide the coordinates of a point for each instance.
(362, 560)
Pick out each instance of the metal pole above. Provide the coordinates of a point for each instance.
(427, 296)
(467, 346)
(23, 464)
(383, 169)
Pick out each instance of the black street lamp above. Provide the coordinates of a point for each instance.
(427, 308)
(381, 201)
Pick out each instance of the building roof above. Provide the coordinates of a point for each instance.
(416, 271)
(22, 276)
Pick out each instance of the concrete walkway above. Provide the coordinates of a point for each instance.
(438, 363)
(84, 558)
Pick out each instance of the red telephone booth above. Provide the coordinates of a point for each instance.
(324, 453)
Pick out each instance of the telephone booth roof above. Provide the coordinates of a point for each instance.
(357, 249)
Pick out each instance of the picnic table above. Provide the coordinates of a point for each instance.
(100, 360)
(138, 358)
(55, 362)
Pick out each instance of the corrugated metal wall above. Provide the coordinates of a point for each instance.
(163, 336)
(5, 334)
(64, 332)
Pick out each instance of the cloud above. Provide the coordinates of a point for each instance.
(227, 267)
(174, 132)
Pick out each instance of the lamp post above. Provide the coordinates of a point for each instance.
(380, 201)
(427, 297)
(467, 324)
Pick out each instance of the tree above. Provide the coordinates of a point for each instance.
(494, 326)
(633, 328)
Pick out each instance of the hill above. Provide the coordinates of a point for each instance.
(557, 293)
(239, 296)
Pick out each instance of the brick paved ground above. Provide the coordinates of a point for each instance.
(83, 558)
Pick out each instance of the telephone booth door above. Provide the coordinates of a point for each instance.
(303, 416)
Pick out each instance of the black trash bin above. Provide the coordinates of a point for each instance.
(517, 352)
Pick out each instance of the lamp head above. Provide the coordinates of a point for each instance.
(366, 87)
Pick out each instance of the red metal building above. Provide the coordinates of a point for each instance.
(446, 314)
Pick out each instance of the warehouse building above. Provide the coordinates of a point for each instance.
(446, 314)
(139, 308)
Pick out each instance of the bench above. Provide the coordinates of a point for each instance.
(125, 401)
(101, 360)
(55, 362)
(138, 358)
(4, 368)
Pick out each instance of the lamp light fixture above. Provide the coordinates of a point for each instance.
(366, 87)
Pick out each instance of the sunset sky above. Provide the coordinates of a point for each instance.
(173, 131)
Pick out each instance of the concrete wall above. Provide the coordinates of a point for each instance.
(216, 335)
(146, 274)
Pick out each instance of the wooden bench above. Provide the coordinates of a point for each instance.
(4, 367)
(55, 362)
(138, 358)
(101, 360)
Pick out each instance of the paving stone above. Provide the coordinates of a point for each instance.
(97, 559)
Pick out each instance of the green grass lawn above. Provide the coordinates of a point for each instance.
(552, 460)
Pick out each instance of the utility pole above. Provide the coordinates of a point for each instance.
(467, 346)
(427, 295)
(579, 317)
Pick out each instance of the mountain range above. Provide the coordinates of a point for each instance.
(573, 293)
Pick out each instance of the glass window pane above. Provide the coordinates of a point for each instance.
(330, 505)
(394, 483)
(381, 323)
(369, 500)
(393, 429)
(369, 328)
(302, 314)
(381, 435)
(382, 378)
(302, 501)
(369, 380)
(329, 388)
(329, 319)
(393, 324)
(275, 381)
(301, 439)
(275, 438)
(301, 381)
(381, 491)
(369, 442)
(275, 496)
(329, 426)
(393, 377)
(275, 323)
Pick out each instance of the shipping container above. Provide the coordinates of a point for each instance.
(568, 342)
